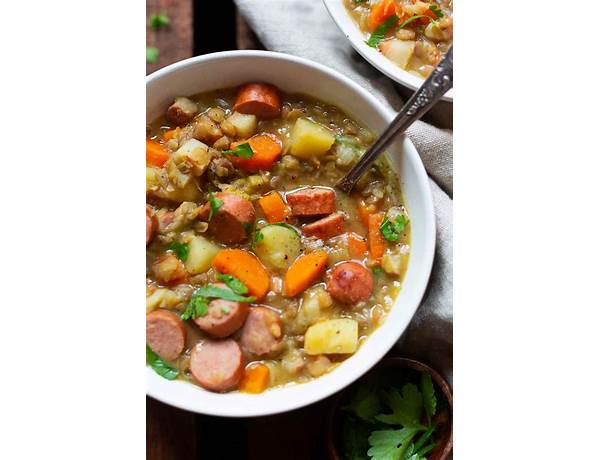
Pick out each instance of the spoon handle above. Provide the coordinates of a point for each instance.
(431, 91)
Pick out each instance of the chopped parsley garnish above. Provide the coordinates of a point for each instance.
(383, 28)
(436, 10)
(258, 237)
(215, 204)
(241, 151)
(151, 54)
(233, 283)
(356, 2)
(391, 230)
(159, 20)
(411, 19)
(196, 307)
(248, 227)
(159, 366)
(377, 271)
(225, 310)
(181, 250)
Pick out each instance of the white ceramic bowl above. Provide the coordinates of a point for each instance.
(350, 29)
(293, 74)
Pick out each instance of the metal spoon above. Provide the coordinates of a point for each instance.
(420, 102)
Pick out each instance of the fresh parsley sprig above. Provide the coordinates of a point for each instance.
(196, 307)
(198, 304)
(392, 229)
(233, 283)
(159, 20)
(382, 29)
(159, 366)
(151, 54)
(436, 10)
(215, 204)
(181, 250)
(241, 151)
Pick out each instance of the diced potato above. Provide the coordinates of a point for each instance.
(176, 177)
(398, 51)
(333, 336)
(395, 262)
(157, 184)
(201, 253)
(245, 125)
(195, 154)
(162, 298)
(314, 301)
(278, 246)
(309, 139)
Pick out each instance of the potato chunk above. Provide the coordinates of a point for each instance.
(398, 51)
(309, 139)
(278, 246)
(245, 125)
(332, 337)
(200, 255)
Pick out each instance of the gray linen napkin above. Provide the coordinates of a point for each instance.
(304, 28)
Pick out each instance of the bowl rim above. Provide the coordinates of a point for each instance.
(388, 362)
(345, 23)
(180, 397)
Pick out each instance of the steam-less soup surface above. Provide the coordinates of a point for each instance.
(413, 34)
(259, 272)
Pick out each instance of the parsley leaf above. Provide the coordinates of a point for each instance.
(181, 250)
(418, 446)
(391, 230)
(258, 237)
(429, 400)
(159, 366)
(197, 306)
(377, 271)
(151, 54)
(215, 292)
(411, 19)
(159, 20)
(406, 407)
(365, 403)
(233, 283)
(355, 439)
(436, 10)
(383, 28)
(390, 444)
(242, 151)
(215, 204)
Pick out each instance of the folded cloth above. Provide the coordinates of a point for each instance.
(304, 28)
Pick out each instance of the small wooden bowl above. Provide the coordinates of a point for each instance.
(444, 447)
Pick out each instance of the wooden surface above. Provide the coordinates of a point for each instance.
(175, 42)
(174, 434)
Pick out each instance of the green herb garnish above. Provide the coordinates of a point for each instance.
(383, 28)
(429, 399)
(436, 10)
(258, 237)
(215, 204)
(159, 20)
(390, 444)
(151, 54)
(391, 230)
(242, 151)
(248, 227)
(215, 292)
(406, 407)
(411, 19)
(159, 366)
(377, 271)
(181, 250)
(233, 283)
(356, 2)
(196, 307)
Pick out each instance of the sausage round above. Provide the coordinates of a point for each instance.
(311, 201)
(224, 317)
(326, 227)
(233, 221)
(217, 365)
(260, 99)
(150, 224)
(262, 333)
(350, 283)
(165, 334)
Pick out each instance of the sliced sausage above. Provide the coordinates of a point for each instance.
(234, 220)
(217, 365)
(168, 269)
(182, 111)
(326, 227)
(165, 334)
(224, 317)
(350, 283)
(311, 201)
(150, 224)
(260, 99)
(262, 333)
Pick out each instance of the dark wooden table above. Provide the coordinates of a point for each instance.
(174, 434)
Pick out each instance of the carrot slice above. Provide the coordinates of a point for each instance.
(364, 210)
(255, 379)
(266, 147)
(156, 154)
(357, 246)
(304, 271)
(246, 267)
(273, 207)
(380, 12)
(376, 241)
